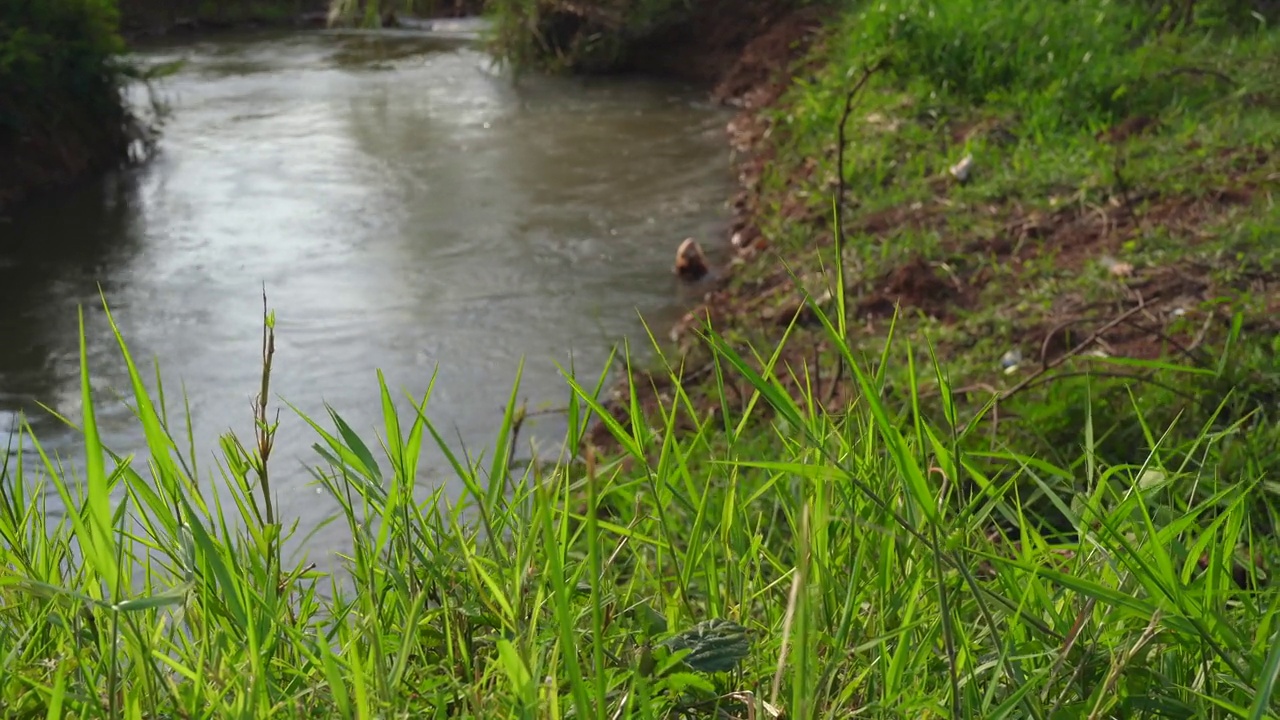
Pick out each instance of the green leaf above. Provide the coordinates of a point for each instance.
(59, 692)
(715, 645)
(515, 668)
(682, 681)
(1267, 684)
(168, 598)
(357, 447)
(99, 548)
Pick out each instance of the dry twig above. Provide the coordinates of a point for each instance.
(841, 142)
(1073, 352)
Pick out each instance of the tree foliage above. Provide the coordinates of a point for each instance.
(62, 111)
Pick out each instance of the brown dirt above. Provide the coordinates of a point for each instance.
(919, 285)
(1167, 294)
(760, 74)
(735, 45)
(1076, 236)
(1129, 128)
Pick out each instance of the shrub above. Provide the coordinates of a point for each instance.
(62, 112)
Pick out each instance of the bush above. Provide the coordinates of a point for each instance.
(62, 112)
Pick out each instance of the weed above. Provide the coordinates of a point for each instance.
(845, 563)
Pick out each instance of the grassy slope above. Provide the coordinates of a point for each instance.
(865, 559)
(1104, 176)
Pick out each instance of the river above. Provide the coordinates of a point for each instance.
(407, 208)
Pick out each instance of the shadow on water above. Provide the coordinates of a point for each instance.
(60, 253)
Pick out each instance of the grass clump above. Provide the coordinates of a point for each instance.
(1065, 65)
(841, 563)
(376, 13)
(530, 34)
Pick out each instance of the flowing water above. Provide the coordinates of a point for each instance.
(407, 208)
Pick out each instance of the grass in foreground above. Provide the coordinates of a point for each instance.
(861, 563)
(764, 546)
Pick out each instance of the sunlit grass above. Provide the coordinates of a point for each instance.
(776, 555)
(1100, 133)
(857, 563)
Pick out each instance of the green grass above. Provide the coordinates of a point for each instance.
(1024, 87)
(852, 562)
(851, 517)
(1017, 256)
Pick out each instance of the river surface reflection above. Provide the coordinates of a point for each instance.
(406, 208)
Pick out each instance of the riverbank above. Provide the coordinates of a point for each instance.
(1094, 205)
(862, 505)
(61, 114)
(63, 118)
(141, 19)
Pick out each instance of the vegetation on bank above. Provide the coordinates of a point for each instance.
(844, 495)
(160, 16)
(601, 37)
(62, 114)
(1053, 194)
(576, 36)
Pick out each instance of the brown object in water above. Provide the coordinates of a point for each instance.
(691, 263)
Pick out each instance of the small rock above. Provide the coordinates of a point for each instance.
(1010, 360)
(960, 170)
(691, 263)
(1116, 267)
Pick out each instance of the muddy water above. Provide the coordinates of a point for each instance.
(406, 207)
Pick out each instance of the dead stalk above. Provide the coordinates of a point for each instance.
(1073, 352)
(841, 142)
